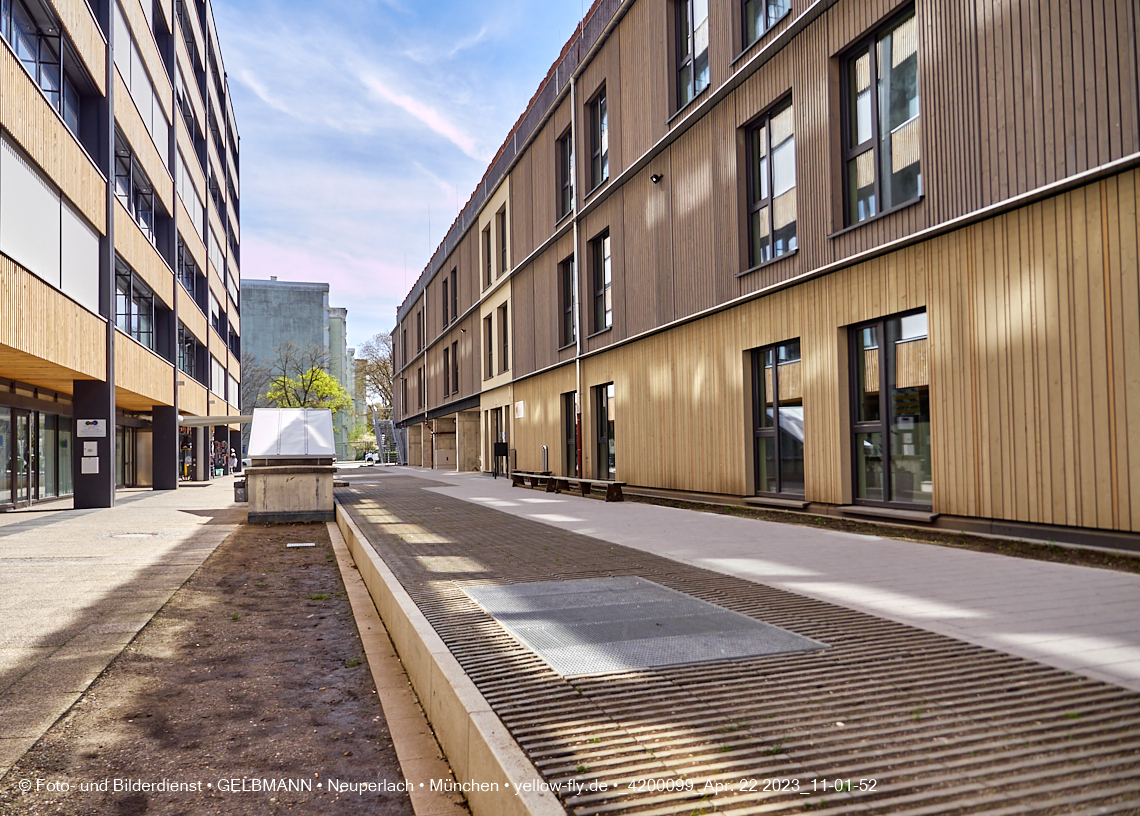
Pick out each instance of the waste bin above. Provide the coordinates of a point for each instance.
(239, 490)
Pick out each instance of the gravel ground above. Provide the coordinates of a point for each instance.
(248, 693)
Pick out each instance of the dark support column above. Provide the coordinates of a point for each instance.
(235, 443)
(94, 403)
(165, 422)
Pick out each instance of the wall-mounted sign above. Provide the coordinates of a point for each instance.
(89, 465)
(90, 448)
(519, 409)
(91, 428)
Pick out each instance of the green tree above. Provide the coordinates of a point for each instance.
(314, 388)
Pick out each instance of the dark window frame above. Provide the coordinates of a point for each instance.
(567, 301)
(501, 229)
(756, 203)
(868, 45)
(886, 344)
(488, 347)
(454, 294)
(686, 28)
(446, 302)
(488, 270)
(455, 367)
(768, 23)
(759, 429)
(565, 148)
(446, 370)
(504, 338)
(604, 436)
(599, 139)
(601, 282)
(135, 307)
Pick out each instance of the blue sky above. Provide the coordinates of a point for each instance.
(362, 119)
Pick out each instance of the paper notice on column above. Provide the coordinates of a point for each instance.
(89, 465)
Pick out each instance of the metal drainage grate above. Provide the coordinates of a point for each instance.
(597, 625)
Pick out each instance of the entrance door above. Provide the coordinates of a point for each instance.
(570, 433)
(891, 412)
(607, 458)
(23, 456)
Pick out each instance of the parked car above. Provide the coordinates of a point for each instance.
(372, 457)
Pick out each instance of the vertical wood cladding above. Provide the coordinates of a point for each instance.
(1033, 357)
(1033, 363)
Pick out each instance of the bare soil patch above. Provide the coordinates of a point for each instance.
(251, 677)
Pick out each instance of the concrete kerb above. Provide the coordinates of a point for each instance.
(475, 741)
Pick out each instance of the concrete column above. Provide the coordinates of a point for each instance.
(426, 446)
(467, 441)
(444, 453)
(415, 445)
(201, 455)
(94, 404)
(164, 419)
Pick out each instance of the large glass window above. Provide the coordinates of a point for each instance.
(41, 53)
(607, 455)
(760, 15)
(603, 283)
(5, 455)
(567, 296)
(504, 339)
(134, 305)
(692, 49)
(772, 186)
(881, 159)
(488, 272)
(565, 174)
(570, 433)
(501, 225)
(488, 347)
(891, 411)
(599, 139)
(778, 419)
(446, 371)
(133, 188)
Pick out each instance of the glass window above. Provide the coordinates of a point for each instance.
(454, 294)
(134, 305)
(488, 274)
(603, 284)
(5, 455)
(881, 156)
(568, 300)
(891, 411)
(565, 174)
(446, 371)
(599, 139)
(607, 450)
(771, 148)
(446, 303)
(489, 348)
(760, 15)
(504, 338)
(64, 464)
(455, 367)
(47, 464)
(501, 224)
(778, 419)
(692, 50)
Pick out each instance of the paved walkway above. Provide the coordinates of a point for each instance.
(918, 721)
(80, 584)
(1075, 618)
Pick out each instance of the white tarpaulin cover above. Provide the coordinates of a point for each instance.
(291, 433)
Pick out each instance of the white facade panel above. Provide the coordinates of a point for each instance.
(79, 268)
(29, 216)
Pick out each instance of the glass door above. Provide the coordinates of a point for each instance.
(570, 433)
(890, 419)
(778, 419)
(23, 459)
(607, 451)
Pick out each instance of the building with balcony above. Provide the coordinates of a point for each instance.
(875, 260)
(119, 248)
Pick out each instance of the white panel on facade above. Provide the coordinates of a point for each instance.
(29, 216)
(79, 278)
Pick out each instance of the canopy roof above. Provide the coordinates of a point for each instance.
(291, 433)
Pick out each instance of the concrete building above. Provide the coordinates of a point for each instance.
(847, 258)
(119, 248)
(281, 312)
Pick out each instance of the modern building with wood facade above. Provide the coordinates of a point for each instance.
(119, 239)
(859, 257)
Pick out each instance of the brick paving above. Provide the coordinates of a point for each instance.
(907, 721)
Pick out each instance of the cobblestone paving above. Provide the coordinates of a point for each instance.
(890, 719)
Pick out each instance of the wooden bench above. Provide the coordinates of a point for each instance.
(613, 489)
(537, 478)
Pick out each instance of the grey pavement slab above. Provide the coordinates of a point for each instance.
(79, 585)
(1071, 617)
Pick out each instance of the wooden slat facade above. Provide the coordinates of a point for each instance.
(79, 23)
(142, 378)
(32, 123)
(1033, 354)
